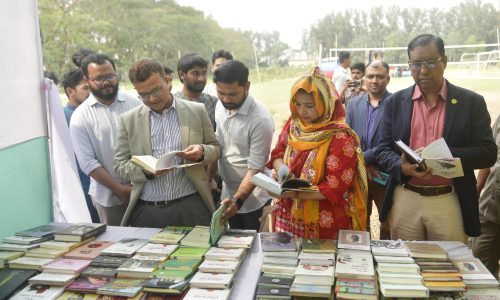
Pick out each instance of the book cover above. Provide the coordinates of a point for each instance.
(316, 256)
(283, 261)
(274, 187)
(277, 241)
(211, 280)
(425, 250)
(319, 246)
(172, 274)
(199, 236)
(450, 286)
(171, 235)
(166, 286)
(154, 249)
(356, 283)
(63, 245)
(52, 279)
(189, 252)
(88, 284)
(277, 280)
(400, 278)
(46, 253)
(99, 272)
(205, 294)
(43, 230)
(217, 228)
(90, 250)
(219, 266)
(393, 259)
(314, 274)
(10, 255)
(139, 264)
(125, 247)
(351, 239)
(403, 290)
(235, 241)
(35, 291)
(398, 268)
(388, 248)
(79, 232)
(354, 264)
(167, 161)
(17, 247)
(12, 280)
(108, 261)
(121, 287)
(306, 290)
(278, 269)
(216, 253)
(272, 292)
(181, 264)
(67, 266)
(32, 263)
(25, 240)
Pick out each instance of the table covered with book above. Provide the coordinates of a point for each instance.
(265, 266)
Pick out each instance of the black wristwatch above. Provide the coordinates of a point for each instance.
(238, 201)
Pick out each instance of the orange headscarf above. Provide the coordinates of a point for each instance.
(317, 137)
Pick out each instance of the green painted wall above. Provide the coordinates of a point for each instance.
(25, 186)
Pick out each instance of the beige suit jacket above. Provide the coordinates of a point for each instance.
(134, 138)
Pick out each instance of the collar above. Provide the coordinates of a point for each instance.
(443, 92)
(385, 95)
(173, 106)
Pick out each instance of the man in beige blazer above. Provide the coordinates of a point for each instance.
(180, 197)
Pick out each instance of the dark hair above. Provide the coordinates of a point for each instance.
(376, 62)
(72, 78)
(221, 54)
(358, 66)
(168, 70)
(95, 58)
(52, 76)
(143, 69)
(189, 61)
(424, 40)
(231, 71)
(78, 56)
(343, 55)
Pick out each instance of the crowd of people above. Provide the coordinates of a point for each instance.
(340, 137)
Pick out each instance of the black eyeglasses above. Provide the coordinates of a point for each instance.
(155, 93)
(431, 64)
(101, 79)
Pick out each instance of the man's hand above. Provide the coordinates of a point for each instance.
(192, 152)
(124, 193)
(410, 169)
(230, 211)
(162, 172)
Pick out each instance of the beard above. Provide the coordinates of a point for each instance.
(109, 96)
(195, 87)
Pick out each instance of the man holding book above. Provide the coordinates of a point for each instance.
(164, 124)
(418, 204)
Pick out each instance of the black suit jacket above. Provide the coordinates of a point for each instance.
(466, 131)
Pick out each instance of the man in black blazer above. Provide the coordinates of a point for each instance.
(418, 205)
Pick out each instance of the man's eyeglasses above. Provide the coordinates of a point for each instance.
(431, 64)
(155, 93)
(101, 79)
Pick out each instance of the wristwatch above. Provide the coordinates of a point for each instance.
(202, 157)
(238, 201)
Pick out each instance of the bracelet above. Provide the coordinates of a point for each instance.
(238, 201)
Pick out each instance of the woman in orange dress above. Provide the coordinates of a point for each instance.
(317, 145)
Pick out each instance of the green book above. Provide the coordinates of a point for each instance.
(216, 227)
(180, 264)
(189, 252)
(319, 246)
(171, 235)
(172, 274)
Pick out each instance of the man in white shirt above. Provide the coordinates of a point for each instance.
(245, 130)
(340, 75)
(93, 133)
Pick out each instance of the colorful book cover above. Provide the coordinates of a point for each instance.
(162, 285)
(389, 248)
(99, 272)
(319, 246)
(108, 261)
(121, 287)
(199, 236)
(79, 232)
(217, 228)
(52, 279)
(172, 274)
(171, 235)
(180, 264)
(44, 230)
(67, 266)
(88, 284)
(125, 247)
(355, 264)
(90, 250)
(35, 291)
(351, 239)
(277, 280)
(140, 264)
(277, 241)
(163, 250)
(189, 252)
(225, 254)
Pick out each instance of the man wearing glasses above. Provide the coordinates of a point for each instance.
(164, 123)
(93, 133)
(419, 205)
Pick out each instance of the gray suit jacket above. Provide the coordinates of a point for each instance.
(134, 138)
(356, 118)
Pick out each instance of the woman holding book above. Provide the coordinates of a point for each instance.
(317, 145)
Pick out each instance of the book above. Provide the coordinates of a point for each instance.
(121, 287)
(318, 246)
(388, 248)
(207, 294)
(436, 156)
(217, 228)
(314, 275)
(125, 247)
(90, 250)
(351, 239)
(189, 252)
(440, 276)
(88, 284)
(17, 247)
(399, 278)
(79, 232)
(181, 264)
(68, 246)
(43, 230)
(216, 253)
(6, 256)
(165, 286)
(12, 280)
(306, 290)
(354, 264)
(448, 286)
(67, 266)
(154, 249)
(472, 269)
(277, 241)
(278, 269)
(282, 261)
(139, 266)
(199, 236)
(211, 280)
(170, 235)
(108, 261)
(99, 272)
(219, 266)
(167, 161)
(316, 256)
(275, 280)
(25, 240)
(266, 292)
(393, 259)
(35, 291)
(46, 253)
(29, 263)
(404, 290)
(398, 268)
(172, 274)
(356, 289)
(52, 279)
(425, 250)
(237, 238)
(274, 187)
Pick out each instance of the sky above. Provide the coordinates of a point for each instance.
(289, 18)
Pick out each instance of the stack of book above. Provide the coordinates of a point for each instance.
(171, 235)
(139, 266)
(153, 249)
(121, 287)
(237, 238)
(198, 237)
(6, 256)
(29, 263)
(126, 247)
(55, 249)
(280, 253)
(79, 232)
(172, 276)
(90, 250)
(354, 270)
(439, 273)
(474, 274)
(398, 274)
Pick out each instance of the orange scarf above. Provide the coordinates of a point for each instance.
(317, 137)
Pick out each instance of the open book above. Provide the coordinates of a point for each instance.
(437, 157)
(167, 161)
(283, 185)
